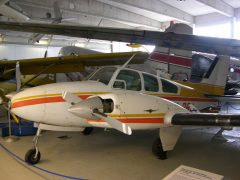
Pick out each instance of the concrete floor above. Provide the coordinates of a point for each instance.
(112, 155)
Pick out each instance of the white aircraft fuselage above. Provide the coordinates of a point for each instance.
(45, 104)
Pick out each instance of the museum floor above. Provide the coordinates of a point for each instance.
(112, 155)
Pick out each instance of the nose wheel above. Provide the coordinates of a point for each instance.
(33, 155)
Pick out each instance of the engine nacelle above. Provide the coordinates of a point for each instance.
(128, 106)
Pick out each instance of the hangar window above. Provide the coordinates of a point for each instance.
(150, 83)
(132, 79)
(103, 75)
(169, 87)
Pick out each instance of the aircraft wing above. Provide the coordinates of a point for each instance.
(212, 45)
(66, 64)
(206, 119)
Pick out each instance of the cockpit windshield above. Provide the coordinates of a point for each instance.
(103, 75)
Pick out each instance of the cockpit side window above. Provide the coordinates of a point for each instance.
(103, 75)
(132, 79)
(169, 87)
(150, 83)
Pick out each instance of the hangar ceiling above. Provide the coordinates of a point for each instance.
(141, 14)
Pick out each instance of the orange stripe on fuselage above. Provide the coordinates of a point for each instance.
(35, 101)
(42, 100)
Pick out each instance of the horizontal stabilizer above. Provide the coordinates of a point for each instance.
(206, 119)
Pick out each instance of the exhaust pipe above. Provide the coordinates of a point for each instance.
(206, 119)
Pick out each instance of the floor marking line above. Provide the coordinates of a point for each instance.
(36, 167)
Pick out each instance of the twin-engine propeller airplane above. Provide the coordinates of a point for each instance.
(126, 100)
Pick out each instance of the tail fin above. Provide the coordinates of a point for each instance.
(173, 61)
(216, 77)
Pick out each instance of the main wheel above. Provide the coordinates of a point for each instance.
(30, 156)
(158, 150)
(87, 130)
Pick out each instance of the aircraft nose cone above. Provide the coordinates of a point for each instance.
(25, 104)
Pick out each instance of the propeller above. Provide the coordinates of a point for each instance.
(8, 108)
(18, 77)
(5, 99)
(93, 108)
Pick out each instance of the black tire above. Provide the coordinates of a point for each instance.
(29, 157)
(87, 130)
(158, 150)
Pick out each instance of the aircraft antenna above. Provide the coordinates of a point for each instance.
(128, 61)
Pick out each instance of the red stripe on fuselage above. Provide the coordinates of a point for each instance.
(176, 60)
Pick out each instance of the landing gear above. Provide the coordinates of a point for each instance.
(33, 155)
(158, 150)
(87, 130)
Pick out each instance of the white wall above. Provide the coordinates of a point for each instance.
(12, 51)
(211, 19)
(220, 30)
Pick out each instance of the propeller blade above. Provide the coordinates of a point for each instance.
(18, 76)
(45, 54)
(71, 98)
(2, 96)
(16, 119)
(124, 128)
(85, 108)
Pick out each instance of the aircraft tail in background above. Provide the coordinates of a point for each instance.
(173, 61)
(216, 77)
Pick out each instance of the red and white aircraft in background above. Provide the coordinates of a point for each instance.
(126, 100)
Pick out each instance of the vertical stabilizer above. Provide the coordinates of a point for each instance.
(216, 77)
(174, 61)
